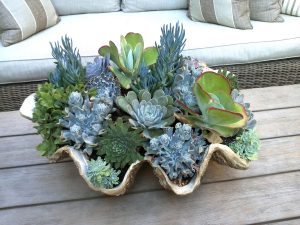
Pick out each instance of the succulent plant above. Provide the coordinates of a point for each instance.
(148, 112)
(233, 79)
(220, 114)
(69, 69)
(178, 152)
(85, 120)
(239, 98)
(99, 77)
(102, 174)
(127, 64)
(172, 42)
(246, 144)
(120, 143)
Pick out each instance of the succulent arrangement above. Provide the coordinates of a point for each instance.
(141, 104)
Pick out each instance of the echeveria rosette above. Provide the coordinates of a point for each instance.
(148, 112)
(220, 114)
(85, 120)
(99, 77)
(120, 144)
(179, 152)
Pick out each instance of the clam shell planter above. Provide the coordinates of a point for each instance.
(218, 152)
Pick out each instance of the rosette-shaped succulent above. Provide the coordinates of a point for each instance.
(85, 120)
(178, 152)
(99, 77)
(120, 144)
(146, 111)
(220, 114)
(246, 144)
(102, 174)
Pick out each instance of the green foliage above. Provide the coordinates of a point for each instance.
(233, 79)
(49, 108)
(69, 70)
(101, 174)
(128, 62)
(246, 145)
(120, 143)
(220, 114)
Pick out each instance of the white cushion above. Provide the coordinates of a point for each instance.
(146, 5)
(216, 45)
(69, 7)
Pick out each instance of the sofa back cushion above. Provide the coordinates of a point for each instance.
(265, 10)
(149, 5)
(19, 19)
(70, 7)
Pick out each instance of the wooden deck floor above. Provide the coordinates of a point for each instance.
(34, 192)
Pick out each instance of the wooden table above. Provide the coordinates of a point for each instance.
(34, 192)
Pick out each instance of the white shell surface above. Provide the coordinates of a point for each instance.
(27, 107)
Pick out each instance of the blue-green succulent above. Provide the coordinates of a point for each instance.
(101, 174)
(178, 152)
(147, 111)
(85, 120)
(99, 77)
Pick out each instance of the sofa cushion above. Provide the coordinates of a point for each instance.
(213, 44)
(232, 13)
(265, 10)
(291, 7)
(146, 5)
(20, 19)
(70, 7)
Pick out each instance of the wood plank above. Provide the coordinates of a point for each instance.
(236, 202)
(287, 222)
(12, 123)
(273, 97)
(61, 182)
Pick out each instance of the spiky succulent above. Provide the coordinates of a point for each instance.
(120, 144)
(178, 152)
(182, 88)
(102, 174)
(99, 77)
(246, 144)
(69, 69)
(85, 120)
(146, 111)
(239, 98)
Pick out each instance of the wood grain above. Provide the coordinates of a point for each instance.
(235, 202)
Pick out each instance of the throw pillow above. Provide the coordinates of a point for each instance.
(146, 5)
(19, 19)
(71, 7)
(291, 7)
(231, 13)
(265, 10)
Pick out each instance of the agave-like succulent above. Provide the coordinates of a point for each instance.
(246, 144)
(85, 120)
(146, 111)
(178, 152)
(120, 143)
(220, 114)
(99, 77)
(101, 174)
(69, 69)
(128, 62)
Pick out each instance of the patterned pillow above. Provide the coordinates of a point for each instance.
(146, 5)
(231, 13)
(19, 19)
(291, 7)
(265, 10)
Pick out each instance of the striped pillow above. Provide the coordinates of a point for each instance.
(231, 13)
(19, 19)
(146, 5)
(291, 7)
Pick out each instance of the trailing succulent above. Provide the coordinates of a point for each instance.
(246, 144)
(147, 111)
(120, 144)
(101, 174)
(85, 120)
(179, 152)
